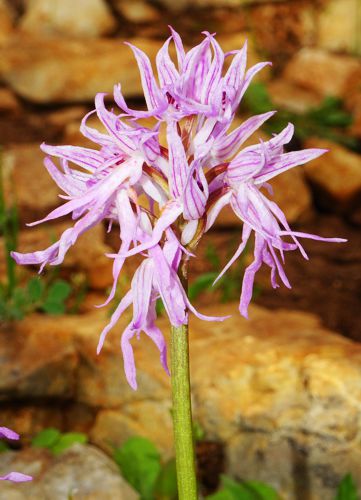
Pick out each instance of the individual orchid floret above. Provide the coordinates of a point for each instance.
(14, 477)
(246, 174)
(199, 84)
(156, 278)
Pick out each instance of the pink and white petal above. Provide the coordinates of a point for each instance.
(152, 94)
(7, 433)
(248, 278)
(122, 306)
(16, 477)
(128, 357)
(246, 233)
(287, 161)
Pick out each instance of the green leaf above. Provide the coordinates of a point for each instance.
(200, 284)
(58, 292)
(347, 489)
(198, 431)
(4, 447)
(212, 257)
(221, 495)
(68, 439)
(139, 462)
(46, 438)
(35, 289)
(248, 490)
(257, 98)
(261, 491)
(166, 485)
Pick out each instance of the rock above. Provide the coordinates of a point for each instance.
(30, 419)
(39, 360)
(28, 66)
(137, 11)
(8, 101)
(335, 177)
(288, 96)
(292, 194)
(279, 390)
(101, 380)
(82, 472)
(282, 28)
(6, 22)
(28, 178)
(63, 117)
(321, 72)
(113, 427)
(338, 26)
(84, 18)
(86, 256)
(352, 99)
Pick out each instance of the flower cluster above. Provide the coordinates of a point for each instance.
(165, 183)
(15, 477)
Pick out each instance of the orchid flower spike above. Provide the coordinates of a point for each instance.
(165, 193)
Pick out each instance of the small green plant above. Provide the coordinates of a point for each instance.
(228, 285)
(247, 490)
(49, 296)
(328, 120)
(347, 489)
(57, 442)
(140, 464)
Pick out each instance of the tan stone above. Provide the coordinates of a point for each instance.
(8, 101)
(150, 419)
(339, 26)
(101, 380)
(321, 72)
(281, 28)
(82, 471)
(86, 256)
(63, 117)
(29, 66)
(38, 360)
(336, 176)
(34, 190)
(83, 18)
(288, 96)
(137, 11)
(6, 22)
(275, 388)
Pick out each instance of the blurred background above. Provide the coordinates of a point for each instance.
(278, 398)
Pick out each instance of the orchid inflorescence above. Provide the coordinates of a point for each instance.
(165, 194)
(14, 477)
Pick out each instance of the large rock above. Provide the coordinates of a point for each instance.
(6, 22)
(83, 18)
(28, 181)
(288, 96)
(339, 26)
(320, 71)
(335, 176)
(150, 419)
(282, 28)
(284, 395)
(82, 472)
(137, 11)
(38, 360)
(82, 68)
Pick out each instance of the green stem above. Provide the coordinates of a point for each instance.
(182, 411)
